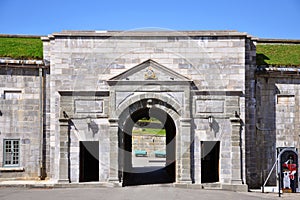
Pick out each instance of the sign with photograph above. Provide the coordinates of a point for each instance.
(288, 164)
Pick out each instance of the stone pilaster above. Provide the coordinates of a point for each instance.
(236, 158)
(184, 159)
(64, 152)
(113, 137)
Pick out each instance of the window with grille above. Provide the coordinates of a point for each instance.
(11, 153)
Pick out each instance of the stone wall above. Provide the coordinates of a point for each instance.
(248, 113)
(277, 119)
(219, 129)
(20, 119)
(216, 62)
(97, 57)
(252, 112)
(86, 119)
(149, 143)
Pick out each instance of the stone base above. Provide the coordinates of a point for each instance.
(183, 183)
(63, 181)
(214, 186)
(87, 185)
(113, 180)
(235, 187)
(211, 186)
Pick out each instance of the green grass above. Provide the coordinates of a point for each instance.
(151, 120)
(286, 55)
(149, 131)
(21, 48)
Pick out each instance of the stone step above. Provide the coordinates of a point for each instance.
(87, 185)
(211, 186)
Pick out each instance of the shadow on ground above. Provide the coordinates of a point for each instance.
(148, 175)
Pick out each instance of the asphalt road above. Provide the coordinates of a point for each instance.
(132, 193)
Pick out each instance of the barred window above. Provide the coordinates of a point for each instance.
(11, 153)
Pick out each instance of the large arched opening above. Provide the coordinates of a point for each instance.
(141, 164)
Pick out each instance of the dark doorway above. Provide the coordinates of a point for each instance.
(148, 174)
(210, 151)
(89, 161)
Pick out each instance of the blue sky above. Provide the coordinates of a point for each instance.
(261, 18)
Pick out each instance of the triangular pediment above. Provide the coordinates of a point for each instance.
(149, 70)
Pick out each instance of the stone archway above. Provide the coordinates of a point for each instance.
(132, 91)
(148, 175)
(123, 122)
(146, 108)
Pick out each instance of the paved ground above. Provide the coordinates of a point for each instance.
(132, 193)
(148, 162)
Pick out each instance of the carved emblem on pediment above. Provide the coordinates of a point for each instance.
(150, 74)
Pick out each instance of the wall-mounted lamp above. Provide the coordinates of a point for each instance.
(236, 114)
(210, 119)
(88, 120)
(211, 122)
(65, 114)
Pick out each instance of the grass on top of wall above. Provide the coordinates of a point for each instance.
(21, 48)
(278, 55)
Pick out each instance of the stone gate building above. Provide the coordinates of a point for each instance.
(69, 118)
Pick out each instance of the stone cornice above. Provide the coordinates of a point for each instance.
(14, 63)
(222, 33)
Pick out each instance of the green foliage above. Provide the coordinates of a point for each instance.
(149, 131)
(280, 55)
(21, 48)
(151, 120)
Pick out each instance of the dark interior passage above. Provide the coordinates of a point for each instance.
(210, 151)
(89, 161)
(148, 175)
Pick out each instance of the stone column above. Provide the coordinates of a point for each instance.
(64, 152)
(236, 151)
(113, 153)
(184, 161)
